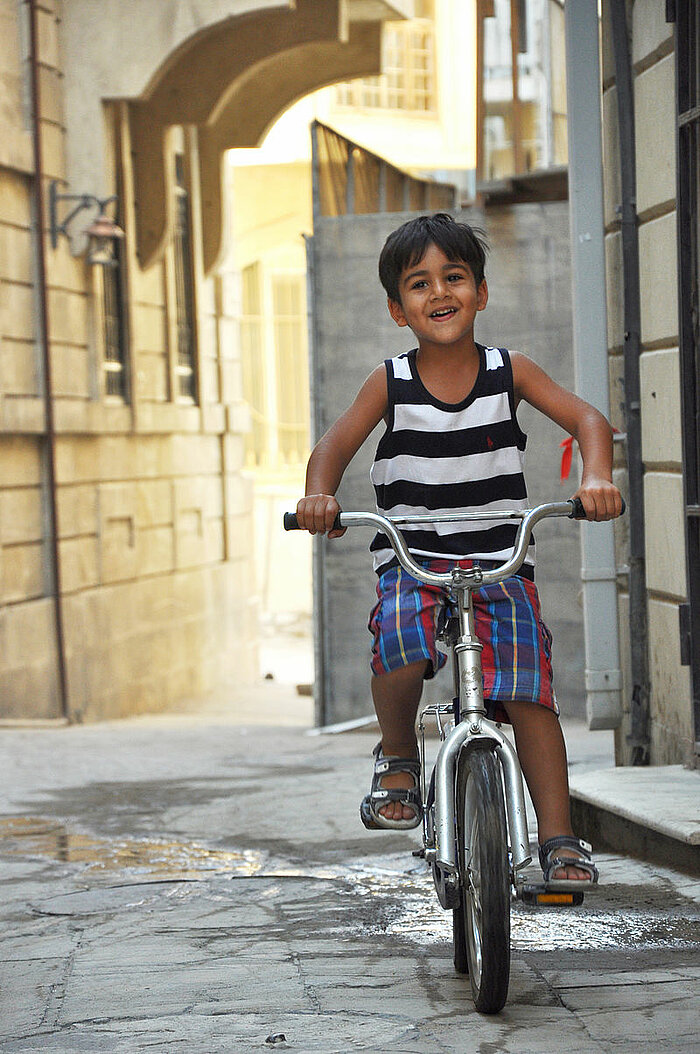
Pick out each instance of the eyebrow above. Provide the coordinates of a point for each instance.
(445, 267)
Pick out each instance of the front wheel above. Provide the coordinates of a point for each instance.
(459, 941)
(482, 853)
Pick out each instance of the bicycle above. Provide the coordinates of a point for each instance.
(475, 836)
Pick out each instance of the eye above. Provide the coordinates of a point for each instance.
(419, 284)
(455, 277)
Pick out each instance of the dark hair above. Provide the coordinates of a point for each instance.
(408, 243)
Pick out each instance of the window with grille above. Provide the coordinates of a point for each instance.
(408, 80)
(184, 289)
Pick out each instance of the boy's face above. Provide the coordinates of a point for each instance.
(439, 299)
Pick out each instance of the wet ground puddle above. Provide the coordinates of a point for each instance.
(410, 910)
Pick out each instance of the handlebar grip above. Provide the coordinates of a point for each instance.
(291, 523)
(577, 512)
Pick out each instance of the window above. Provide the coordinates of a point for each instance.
(184, 289)
(290, 341)
(688, 218)
(522, 125)
(111, 298)
(408, 80)
(275, 367)
(253, 364)
(113, 327)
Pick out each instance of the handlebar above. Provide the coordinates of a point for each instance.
(459, 576)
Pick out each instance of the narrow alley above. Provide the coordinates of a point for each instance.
(190, 883)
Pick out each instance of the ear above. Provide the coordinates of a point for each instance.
(396, 312)
(482, 296)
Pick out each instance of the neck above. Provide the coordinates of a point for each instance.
(459, 353)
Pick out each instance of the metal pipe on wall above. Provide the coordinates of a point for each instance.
(638, 737)
(598, 572)
(43, 325)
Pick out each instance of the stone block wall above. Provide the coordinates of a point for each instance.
(654, 92)
(27, 627)
(154, 517)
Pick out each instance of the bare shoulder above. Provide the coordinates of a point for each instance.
(373, 396)
(363, 415)
(530, 380)
(377, 379)
(533, 385)
(524, 367)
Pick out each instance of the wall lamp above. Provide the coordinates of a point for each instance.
(102, 232)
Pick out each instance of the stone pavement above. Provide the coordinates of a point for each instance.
(202, 883)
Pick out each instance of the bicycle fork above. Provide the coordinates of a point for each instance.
(465, 732)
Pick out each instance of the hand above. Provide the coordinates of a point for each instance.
(316, 513)
(600, 498)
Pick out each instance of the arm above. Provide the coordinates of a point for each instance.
(600, 497)
(334, 452)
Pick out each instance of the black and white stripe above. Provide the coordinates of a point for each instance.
(444, 458)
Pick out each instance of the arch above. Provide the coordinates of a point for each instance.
(247, 116)
(271, 58)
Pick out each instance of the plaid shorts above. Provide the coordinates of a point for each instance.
(516, 657)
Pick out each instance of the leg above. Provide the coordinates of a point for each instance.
(538, 735)
(403, 624)
(396, 697)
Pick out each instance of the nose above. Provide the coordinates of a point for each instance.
(439, 288)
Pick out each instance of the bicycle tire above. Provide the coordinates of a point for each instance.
(482, 852)
(459, 941)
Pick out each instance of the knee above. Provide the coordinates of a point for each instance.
(413, 673)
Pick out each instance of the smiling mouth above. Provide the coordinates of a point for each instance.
(444, 312)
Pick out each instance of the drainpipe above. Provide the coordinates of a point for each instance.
(43, 326)
(638, 738)
(598, 572)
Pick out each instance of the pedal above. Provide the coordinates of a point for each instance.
(539, 893)
(420, 853)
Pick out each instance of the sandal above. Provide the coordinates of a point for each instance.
(551, 861)
(380, 796)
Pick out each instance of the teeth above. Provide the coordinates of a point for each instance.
(440, 314)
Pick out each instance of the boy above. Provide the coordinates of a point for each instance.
(452, 442)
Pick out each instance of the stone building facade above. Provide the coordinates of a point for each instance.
(125, 518)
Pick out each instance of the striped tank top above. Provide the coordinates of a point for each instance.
(447, 457)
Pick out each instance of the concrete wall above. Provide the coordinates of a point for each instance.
(653, 69)
(529, 309)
